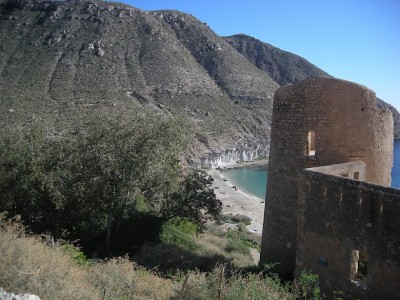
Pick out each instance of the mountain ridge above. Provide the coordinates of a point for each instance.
(282, 66)
(288, 68)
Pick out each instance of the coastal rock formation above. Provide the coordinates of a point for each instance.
(229, 157)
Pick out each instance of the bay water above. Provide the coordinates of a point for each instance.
(253, 179)
(396, 165)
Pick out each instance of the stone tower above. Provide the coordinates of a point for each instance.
(318, 122)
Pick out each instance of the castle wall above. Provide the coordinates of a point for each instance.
(317, 122)
(340, 216)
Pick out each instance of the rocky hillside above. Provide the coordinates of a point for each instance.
(63, 58)
(396, 116)
(284, 67)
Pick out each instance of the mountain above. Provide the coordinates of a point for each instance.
(396, 116)
(288, 68)
(59, 59)
(284, 67)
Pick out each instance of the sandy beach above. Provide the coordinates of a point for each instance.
(235, 201)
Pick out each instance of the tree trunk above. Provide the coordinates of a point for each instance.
(109, 228)
(110, 219)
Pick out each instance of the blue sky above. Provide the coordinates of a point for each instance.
(356, 40)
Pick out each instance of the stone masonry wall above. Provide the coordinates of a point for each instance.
(352, 170)
(344, 124)
(338, 216)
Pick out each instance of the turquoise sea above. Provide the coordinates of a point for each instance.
(396, 165)
(253, 179)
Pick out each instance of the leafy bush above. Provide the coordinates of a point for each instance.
(306, 286)
(242, 219)
(179, 232)
(75, 253)
(204, 286)
(243, 236)
(235, 245)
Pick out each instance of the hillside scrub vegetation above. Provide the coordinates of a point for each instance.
(60, 271)
(182, 248)
(106, 177)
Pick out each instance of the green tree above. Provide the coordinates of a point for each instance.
(91, 178)
(127, 160)
(28, 180)
(193, 197)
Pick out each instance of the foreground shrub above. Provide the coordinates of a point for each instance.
(119, 278)
(306, 286)
(179, 232)
(183, 248)
(237, 218)
(204, 286)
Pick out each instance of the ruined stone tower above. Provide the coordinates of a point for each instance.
(318, 122)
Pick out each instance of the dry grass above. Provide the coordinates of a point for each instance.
(210, 249)
(204, 286)
(237, 253)
(119, 278)
(30, 266)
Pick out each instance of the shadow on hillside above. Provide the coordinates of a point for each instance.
(128, 237)
(169, 258)
(138, 237)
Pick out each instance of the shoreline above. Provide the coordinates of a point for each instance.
(236, 201)
(242, 164)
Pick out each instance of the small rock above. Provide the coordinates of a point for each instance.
(100, 52)
(11, 296)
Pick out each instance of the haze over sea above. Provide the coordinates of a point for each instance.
(253, 179)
